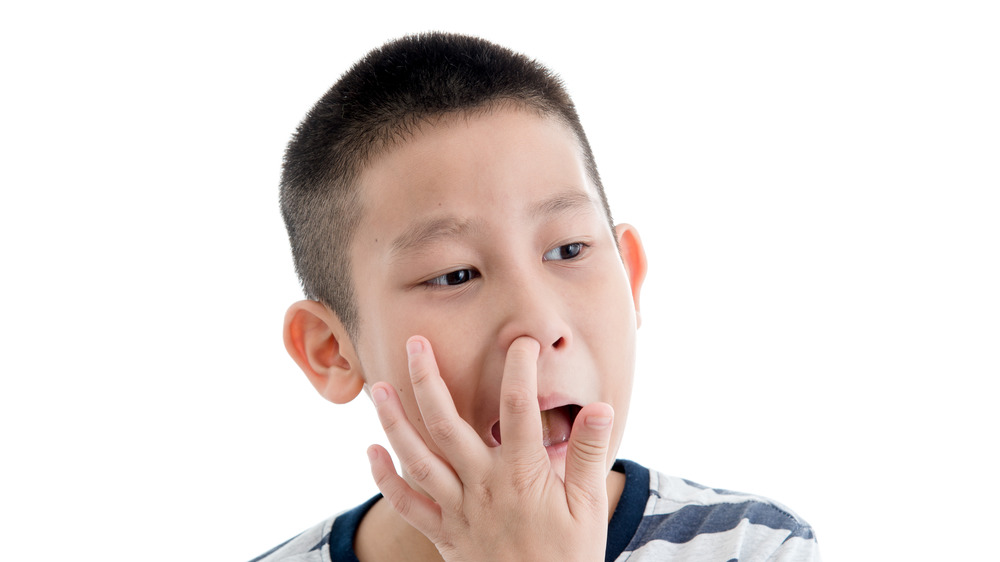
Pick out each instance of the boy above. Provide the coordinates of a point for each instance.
(452, 234)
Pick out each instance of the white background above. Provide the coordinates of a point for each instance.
(816, 184)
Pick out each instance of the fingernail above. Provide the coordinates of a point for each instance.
(598, 422)
(372, 454)
(379, 395)
(414, 347)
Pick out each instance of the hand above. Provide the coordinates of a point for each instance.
(494, 503)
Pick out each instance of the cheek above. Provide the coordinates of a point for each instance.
(465, 370)
(609, 329)
(457, 341)
(392, 321)
(382, 351)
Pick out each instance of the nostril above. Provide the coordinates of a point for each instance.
(559, 343)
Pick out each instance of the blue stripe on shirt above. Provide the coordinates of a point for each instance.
(692, 520)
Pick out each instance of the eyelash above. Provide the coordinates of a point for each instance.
(463, 276)
(459, 276)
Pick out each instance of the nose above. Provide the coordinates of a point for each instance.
(536, 311)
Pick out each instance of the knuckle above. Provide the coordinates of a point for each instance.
(518, 401)
(456, 507)
(588, 499)
(383, 478)
(445, 546)
(525, 475)
(441, 430)
(590, 451)
(420, 470)
(419, 375)
(400, 501)
(485, 489)
(390, 423)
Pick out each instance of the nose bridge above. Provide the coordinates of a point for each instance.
(532, 307)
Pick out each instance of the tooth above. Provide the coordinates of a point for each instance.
(546, 438)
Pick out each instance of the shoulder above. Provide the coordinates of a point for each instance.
(332, 540)
(689, 521)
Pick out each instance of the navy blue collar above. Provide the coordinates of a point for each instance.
(628, 513)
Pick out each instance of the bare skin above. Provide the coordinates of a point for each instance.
(480, 497)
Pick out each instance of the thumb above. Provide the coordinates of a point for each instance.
(587, 460)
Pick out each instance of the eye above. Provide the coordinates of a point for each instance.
(564, 252)
(457, 277)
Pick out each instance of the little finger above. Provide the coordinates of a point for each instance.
(418, 510)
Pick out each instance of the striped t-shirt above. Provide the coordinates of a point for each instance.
(658, 518)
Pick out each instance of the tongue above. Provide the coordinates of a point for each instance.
(556, 426)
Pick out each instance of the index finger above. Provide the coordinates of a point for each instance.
(520, 418)
(458, 442)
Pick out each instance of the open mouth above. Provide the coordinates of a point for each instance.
(557, 423)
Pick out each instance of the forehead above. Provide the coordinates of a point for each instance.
(469, 163)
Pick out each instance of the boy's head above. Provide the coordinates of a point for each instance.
(380, 102)
(445, 188)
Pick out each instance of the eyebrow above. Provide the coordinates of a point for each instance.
(429, 231)
(561, 203)
(426, 232)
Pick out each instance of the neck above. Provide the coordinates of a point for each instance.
(384, 536)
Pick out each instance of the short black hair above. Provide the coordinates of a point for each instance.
(378, 103)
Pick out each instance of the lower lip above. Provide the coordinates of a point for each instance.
(557, 450)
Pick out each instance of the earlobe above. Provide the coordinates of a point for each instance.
(634, 258)
(318, 342)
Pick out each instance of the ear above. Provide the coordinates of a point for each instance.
(319, 344)
(634, 258)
